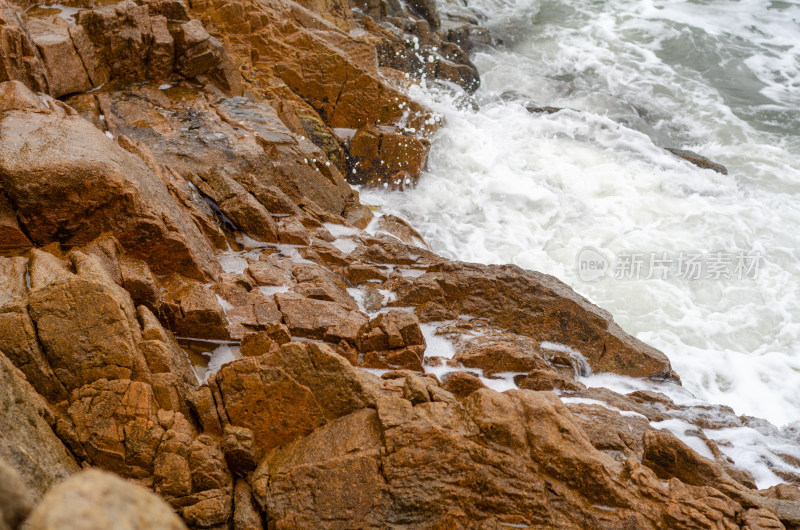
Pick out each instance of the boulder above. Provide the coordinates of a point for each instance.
(502, 357)
(237, 152)
(85, 323)
(95, 500)
(342, 92)
(27, 441)
(193, 310)
(344, 459)
(16, 499)
(393, 340)
(540, 307)
(462, 384)
(65, 68)
(288, 393)
(20, 60)
(318, 319)
(197, 51)
(245, 512)
(18, 338)
(319, 284)
(100, 188)
(379, 157)
(443, 464)
(670, 457)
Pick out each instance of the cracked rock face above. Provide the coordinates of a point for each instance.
(194, 302)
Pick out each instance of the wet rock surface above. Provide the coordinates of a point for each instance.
(194, 300)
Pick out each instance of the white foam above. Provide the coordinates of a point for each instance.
(682, 430)
(508, 186)
(340, 230)
(587, 401)
(66, 12)
(345, 245)
(233, 262)
(221, 356)
(437, 345)
(270, 290)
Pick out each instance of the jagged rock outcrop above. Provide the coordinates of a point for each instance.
(69, 183)
(191, 183)
(539, 306)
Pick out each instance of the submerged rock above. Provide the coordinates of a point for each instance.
(698, 160)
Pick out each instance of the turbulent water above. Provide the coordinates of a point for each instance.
(721, 78)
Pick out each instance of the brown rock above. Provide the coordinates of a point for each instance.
(193, 310)
(543, 379)
(18, 339)
(65, 68)
(171, 475)
(344, 94)
(698, 160)
(266, 400)
(539, 306)
(618, 436)
(248, 309)
(212, 508)
(462, 384)
(162, 353)
(344, 458)
(245, 512)
(11, 235)
(415, 390)
(233, 144)
(401, 229)
(289, 393)
(408, 358)
(197, 52)
(358, 274)
(140, 283)
(120, 35)
(670, 457)
(501, 357)
(319, 319)
(238, 445)
(86, 325)
(20, 60)
(394, 329)
(279, 333)
(267, 272)
(358, 215)
(352, 464)
(202, 403)
(27, 442)
(319, 284)
(291, 232)
(16, 500)
(255, 344)
(144, 218)
(115, 423)
(161, 55)
(377, 156)
(94, 499)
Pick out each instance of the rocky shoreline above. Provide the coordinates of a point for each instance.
(193, 298)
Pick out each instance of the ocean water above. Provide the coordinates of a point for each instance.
(592, 185)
